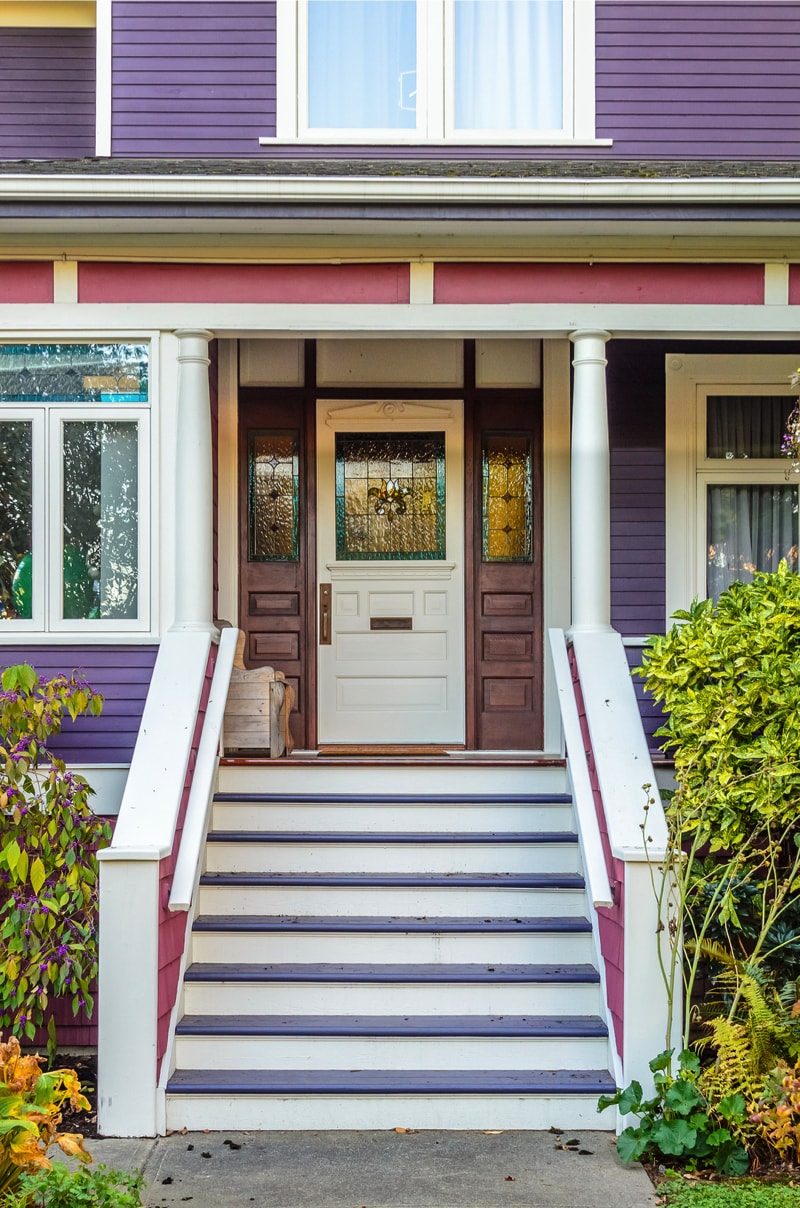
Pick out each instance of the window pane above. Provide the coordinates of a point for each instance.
(506, 498)
(508, 65)
(73, 373)
(750, 528)
(362, 63)
(273, 496)
(101, 520)
(746, 425)
(16, 520)
(390, 500)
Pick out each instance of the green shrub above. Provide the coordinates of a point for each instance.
(743, 1193)
(59, 1187)
(48, 867)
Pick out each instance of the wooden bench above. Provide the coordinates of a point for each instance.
(257, 710)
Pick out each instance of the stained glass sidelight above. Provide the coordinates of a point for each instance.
(74, 373)
(16, 527)
(507, 498)
(273, 476)
(390, 495)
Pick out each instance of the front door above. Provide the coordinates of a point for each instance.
(390, 570)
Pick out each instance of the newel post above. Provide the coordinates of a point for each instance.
(194, 520)
(590, 486)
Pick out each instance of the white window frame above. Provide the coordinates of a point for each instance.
(47, 419)
(690, 379)
(435, 85)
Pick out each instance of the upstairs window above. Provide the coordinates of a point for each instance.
(435, 70)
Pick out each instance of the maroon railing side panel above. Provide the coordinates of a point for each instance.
(47, 93)
(611, 920)
(172, 924)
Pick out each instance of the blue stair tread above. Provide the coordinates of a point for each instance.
(434, 880)
(393, 1025)
(399, 798)
(348, 923)
(394, 837)
(373, 973)
(391, 1082)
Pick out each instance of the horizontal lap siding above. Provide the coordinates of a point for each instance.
(677, 79)
(47, 93)
(121, 673)
(192, 79)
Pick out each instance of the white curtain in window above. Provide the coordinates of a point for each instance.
(508, 64)
(750, 528)
(748, 425)
(362, 59)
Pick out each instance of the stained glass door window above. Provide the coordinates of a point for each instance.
(273, 473)
(390, 495)
(507, 495)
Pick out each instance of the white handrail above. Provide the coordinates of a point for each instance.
(195, 823)
(588, 826)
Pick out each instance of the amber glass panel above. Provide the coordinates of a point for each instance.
(507, 493)
(390, 495)
(273, 477)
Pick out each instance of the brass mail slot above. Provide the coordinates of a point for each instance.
(391, 623)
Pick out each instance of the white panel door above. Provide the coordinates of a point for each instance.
(391, 653)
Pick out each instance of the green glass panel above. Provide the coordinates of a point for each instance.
(390, 495)
(507, 498)
(16, 520)
(74, 373)
(101, 520)
(273, 514)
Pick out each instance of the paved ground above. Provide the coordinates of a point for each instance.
(424, 1169)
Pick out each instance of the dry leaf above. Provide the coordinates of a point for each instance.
(493, 1132)
(510, 1178)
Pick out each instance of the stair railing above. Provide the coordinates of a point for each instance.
(622, 842)
(142, 941)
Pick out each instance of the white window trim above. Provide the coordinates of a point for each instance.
(47, 626)
(434, 41)
(690, 379)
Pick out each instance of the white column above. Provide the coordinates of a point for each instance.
(590, 486)
(194, 519)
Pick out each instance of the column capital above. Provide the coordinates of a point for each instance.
(194, 344)
(589, 333)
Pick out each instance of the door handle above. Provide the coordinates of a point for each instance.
(324, 614)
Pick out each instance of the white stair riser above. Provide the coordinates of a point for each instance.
(390, 1053)
(373, 857)
(307, 778)
(375, 817)
(339, 1112)
(388, 901)
(393, 998)
(423, 948)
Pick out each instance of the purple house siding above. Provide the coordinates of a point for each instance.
(121, 673)
(47, 93)
(191, 78)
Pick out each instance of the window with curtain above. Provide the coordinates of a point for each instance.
(751, 525)
(426, 68)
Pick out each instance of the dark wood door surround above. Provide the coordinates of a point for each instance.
(503, 606)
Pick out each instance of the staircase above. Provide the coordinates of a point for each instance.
(398, 946)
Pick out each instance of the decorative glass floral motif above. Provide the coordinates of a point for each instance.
(273, 488)
(790, 445)
(74, 373)
(507, 498)
(390, 495)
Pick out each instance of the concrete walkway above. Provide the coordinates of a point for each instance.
(380, 1170)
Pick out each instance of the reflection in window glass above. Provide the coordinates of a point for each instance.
(390, 495)
(508, 65)
(750, 528)
(742, 426)
(273, 479)
(507, 496)
(362, 63)
(16, 520)
(101, 520)
(73, 373)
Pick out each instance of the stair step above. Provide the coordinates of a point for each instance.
(383, 837)
(380, 974)
(397, 798)
(494, 880)
(392, 1025)
(391, 1082)
(341, 923)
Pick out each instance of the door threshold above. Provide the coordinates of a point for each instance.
(393, 749)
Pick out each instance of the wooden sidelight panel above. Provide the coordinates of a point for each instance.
(505, 632)
(276, 533)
